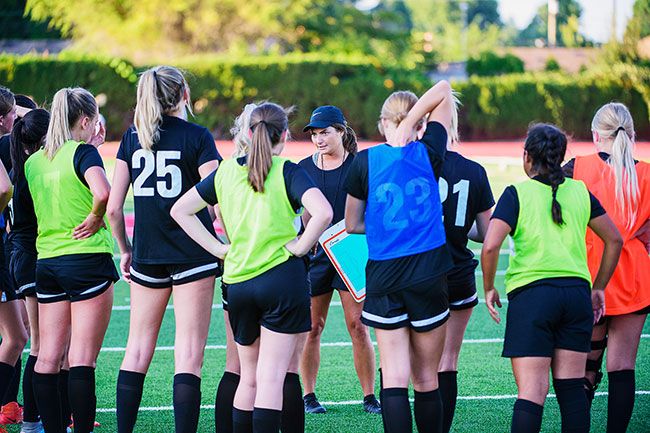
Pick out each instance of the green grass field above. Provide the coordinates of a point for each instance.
(486, 385)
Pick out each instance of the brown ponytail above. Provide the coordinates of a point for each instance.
(267, 123)
(349, 137)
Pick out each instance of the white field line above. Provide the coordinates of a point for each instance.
(328, 344)
(358, 402)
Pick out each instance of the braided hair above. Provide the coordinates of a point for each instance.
(546, 146)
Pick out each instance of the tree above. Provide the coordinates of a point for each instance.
(567, 22)
(15, 25)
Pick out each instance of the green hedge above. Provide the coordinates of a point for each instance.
(493, 107)
(488, 63)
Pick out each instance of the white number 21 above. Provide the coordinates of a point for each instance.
(462, 188)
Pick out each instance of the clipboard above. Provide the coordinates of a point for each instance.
(349, 255)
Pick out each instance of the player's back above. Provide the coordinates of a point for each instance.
(159, 177)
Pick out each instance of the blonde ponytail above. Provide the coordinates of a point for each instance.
(267, 122)
(160, 91)
(454, 136)
(614, 122)
(68, 106)
(396, 107)
(240, 131)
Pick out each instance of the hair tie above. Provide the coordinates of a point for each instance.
(155, 76)
(620, 128)
(260, 121)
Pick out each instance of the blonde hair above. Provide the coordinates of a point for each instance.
(160, 91)
(240, 131)
(396, 107)
(68, 106)
(613, 121)
(454, 136)
(267, 122)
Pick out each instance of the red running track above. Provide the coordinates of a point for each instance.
(475, 149)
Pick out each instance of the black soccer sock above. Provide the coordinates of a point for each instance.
(266, 420)
(242, 421)
(574, 406)
(526, 417)
(427, 408)
(448, 386)
(396, 410)
(187, 402)
(46, 393)
(6, 376)
(620, 401)
(12, 392)
(129, 395)
(223, 421)
(66, 410)
(293, 407)
(30, 412)
(83, 401)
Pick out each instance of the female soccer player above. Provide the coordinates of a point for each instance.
(336, 145)
(551, 311)
(163, 156)
(268, 298)
(466, 202)
(12, 329)
(622, 185)
(27, 137)
(393, 197)
(74, 270)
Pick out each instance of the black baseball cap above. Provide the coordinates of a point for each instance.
(325, 116)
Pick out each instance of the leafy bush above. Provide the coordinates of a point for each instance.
(493, 107)
(489, 63)
(552, 65)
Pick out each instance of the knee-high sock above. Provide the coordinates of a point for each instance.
(620, 401)
(223, 409)
(448, 386)
(66, 410)
(187, 402)
(46, 393)
(428, 411)
(12, 391)
(242, 421)
(129, 395)
(526, 417)
(83, 401)
(574, 405)
(293, 408)
(396, 410)
(6, 376)
(30, 412)
(266, 420)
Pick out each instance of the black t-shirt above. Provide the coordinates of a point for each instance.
(159, 178)
(330, 182)
(386, 276)
(296, 183)
(465, 192)
(507, 208)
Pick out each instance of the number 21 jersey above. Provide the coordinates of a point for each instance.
(159, 177)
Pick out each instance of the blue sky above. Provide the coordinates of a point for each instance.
(595, 21)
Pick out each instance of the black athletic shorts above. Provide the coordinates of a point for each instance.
(422, 307)
(323, 278)
(7, 287)
(22, 269)
(278, 300)
(462, 291)
(545, 317)
(74, 277)
(224, 295)
(164, 276)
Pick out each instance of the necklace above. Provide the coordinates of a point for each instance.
(338, 180)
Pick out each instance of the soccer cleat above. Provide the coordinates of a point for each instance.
(312, 405)
(371, 404)
(11, 413)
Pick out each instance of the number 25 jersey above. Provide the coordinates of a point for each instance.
(159, 177)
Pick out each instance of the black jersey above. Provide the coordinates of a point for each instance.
(159, 178)
(465, 192)
(330, 182)
(386, 276)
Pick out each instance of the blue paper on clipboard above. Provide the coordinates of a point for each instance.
(349, 255)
